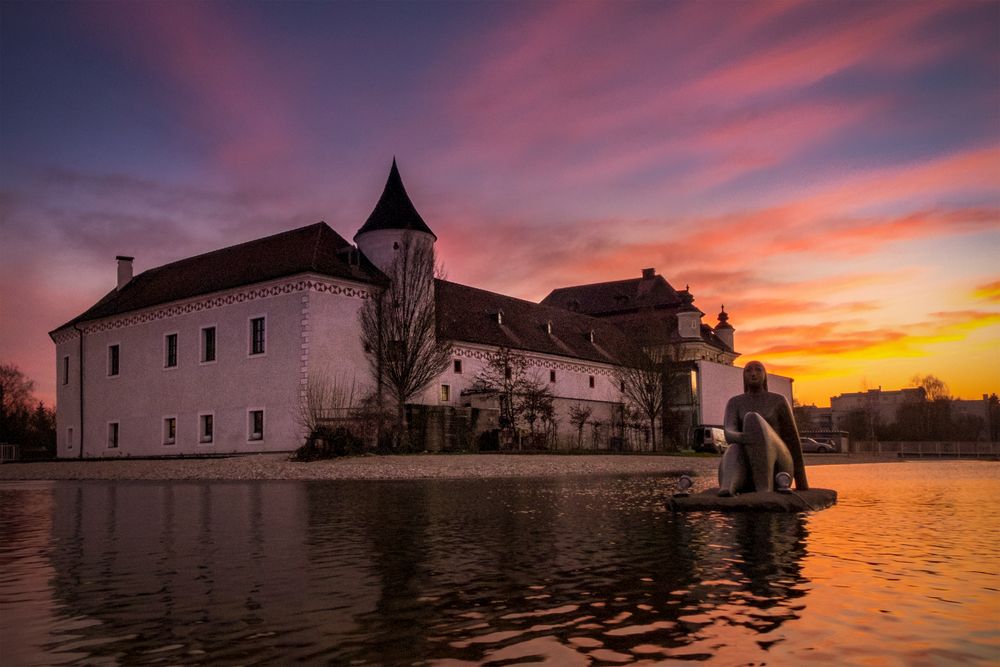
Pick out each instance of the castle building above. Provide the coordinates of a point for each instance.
(213, 354)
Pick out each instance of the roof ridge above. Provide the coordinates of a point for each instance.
(232, 247)
(561, 312)
(319, 238)
(603, 282)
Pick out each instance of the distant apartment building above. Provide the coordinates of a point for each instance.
(971, 419)
(812, 418)
(881, 405)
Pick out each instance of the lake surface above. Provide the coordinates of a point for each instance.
(569, 571)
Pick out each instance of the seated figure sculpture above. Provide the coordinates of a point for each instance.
(763, 439)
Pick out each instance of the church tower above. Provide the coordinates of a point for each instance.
(392, 225)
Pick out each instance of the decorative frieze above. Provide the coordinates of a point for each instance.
(207, 303)
(535, 362)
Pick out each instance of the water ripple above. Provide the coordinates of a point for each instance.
(562, 571)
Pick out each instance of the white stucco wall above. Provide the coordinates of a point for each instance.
(145, 392)
(68, 399)
(572, 385)
(718, 383)
(382, 245)
(333, 336)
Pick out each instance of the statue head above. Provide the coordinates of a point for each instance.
(754, 377)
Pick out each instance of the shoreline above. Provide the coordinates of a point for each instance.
(389, 467)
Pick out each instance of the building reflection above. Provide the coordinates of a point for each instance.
(195, 572)
(200, 572)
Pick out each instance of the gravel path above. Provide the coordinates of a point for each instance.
(417, 466)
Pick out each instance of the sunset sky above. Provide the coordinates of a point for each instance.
(830, 171)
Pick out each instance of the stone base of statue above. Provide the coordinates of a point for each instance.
(757, 501)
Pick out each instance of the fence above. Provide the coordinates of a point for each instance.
(9, 453)
(932, 449)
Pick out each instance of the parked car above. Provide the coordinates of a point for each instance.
(709, 439)
(815, 446)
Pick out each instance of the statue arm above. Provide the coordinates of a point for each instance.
(789, 432)
(732, 426)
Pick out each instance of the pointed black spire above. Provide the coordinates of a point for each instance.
(394, 209)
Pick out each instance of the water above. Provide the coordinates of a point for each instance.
(904, 570)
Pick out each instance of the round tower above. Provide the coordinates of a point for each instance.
(688, 316)
(393, 225)
(724, 330)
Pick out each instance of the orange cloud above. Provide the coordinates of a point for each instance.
(988, 292)
(829, 340)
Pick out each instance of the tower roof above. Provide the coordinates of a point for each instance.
(394, 209)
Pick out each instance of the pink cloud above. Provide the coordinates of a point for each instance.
(633, 90)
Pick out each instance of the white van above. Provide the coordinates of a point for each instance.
(710, 439)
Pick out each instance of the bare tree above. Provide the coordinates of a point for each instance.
(23, 419)
(641, 379)
(504, 376)
(398, 327)
(578, 416)
(934, 387)
(536, 404)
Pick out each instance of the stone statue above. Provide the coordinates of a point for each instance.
(762, 436)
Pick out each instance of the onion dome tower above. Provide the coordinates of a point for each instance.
(393, 223)
(688, 316)
(724, 330)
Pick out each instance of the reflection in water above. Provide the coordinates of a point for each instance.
(575, 571)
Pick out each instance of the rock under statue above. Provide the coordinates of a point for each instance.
(763, 439)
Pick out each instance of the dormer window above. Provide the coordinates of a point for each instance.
(499, 316)
(592, 336)
(548, 327)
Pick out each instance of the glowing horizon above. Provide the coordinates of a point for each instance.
(829, 172)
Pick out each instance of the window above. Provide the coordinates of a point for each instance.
(65, 370)
(170, 351)
(113, 360)
(506, 372)
(591, 381)
(169, 430)
(69, 438)
(257, 335)
(621, 386)
(552, 376)
(207, 345)
(445, 393)
(457, 365)
(112, 435)
(256, 425)
(206, 428)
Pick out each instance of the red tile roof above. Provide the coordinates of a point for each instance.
(466, 314)
(616, 296)
(313, 249)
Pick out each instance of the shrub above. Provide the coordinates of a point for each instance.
(329, 443)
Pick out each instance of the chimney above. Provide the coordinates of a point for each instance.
(124, 270)
(648, 274)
